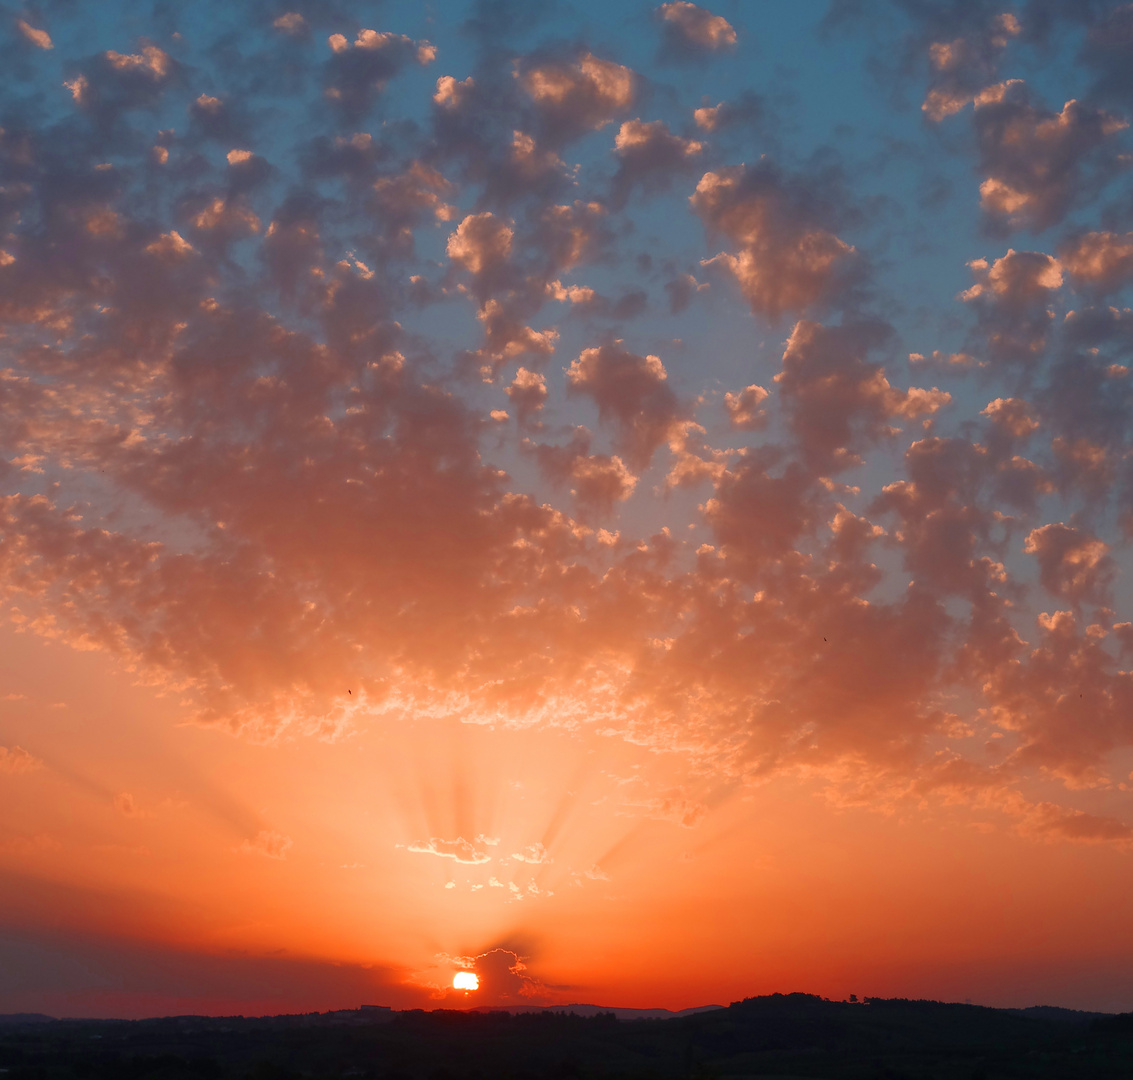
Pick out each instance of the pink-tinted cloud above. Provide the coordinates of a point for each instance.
(1013, 416)
(114, 82)
(290, 22)
(836, 402)
(1100, 260)
(632, 392)
(578, 95)
(481, 244)
(1036, 163)
(690, 30)
(528, 393)
(15, 759)
(963, 67)
(746, 109)
(1067, 674)
(783, 259)
(358, 70)
(744, 408)
(649, 157)
(1073, 564)
(1012, 296)
(38, 37)
(569, 234)
(597, 482)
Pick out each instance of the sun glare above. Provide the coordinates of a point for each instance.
(466, 980)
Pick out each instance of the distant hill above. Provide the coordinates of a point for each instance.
(1054, 1012)
(24, 1018)
(605, 1010)
(779, 1035)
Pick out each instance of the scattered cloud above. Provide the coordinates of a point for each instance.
(463, 851)
(15, 759)
(691, 30)
(267, 843)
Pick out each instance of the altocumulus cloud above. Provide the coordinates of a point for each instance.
(390, 396)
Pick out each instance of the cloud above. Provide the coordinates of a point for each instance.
(113, 83)
(649, 157)
(571, 233)
(836, 403)
(1072, 564)
(463, 851)
(358, 70)
(450, 93)
(944, 523)
(681, 291)
(744, 410)
(41, 39)
(676, 806)
(402, 200)
(1013, 416)
(535, 854)
(1053, 822)
(211, 117)
(291, 22)
(1016, 279)
(758, 517)
(1067, 673)
(747, 109)
(1012, 296)
(1107, 50)
(268, 844)
(223, 220)
(784, 259)
(75, 966)
(578, 95)
(1100, 260)
(248, 451)
(596, 481)
(962, 67)
(127, 805)
(1037, 164)
(691, 31)
(505, 976)
(15, 759)
(481, 244)
(528, 393)
(630, 391)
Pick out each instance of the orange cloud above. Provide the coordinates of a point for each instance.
(784, 260)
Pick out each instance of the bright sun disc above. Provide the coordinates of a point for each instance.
(466, 980)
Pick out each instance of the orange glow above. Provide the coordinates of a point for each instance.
(457, 522)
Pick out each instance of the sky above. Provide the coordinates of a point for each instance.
(630, 500)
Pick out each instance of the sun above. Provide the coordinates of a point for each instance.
(466, 980)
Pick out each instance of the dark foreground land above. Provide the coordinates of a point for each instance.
(782, 1036)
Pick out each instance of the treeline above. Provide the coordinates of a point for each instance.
(782, 1035)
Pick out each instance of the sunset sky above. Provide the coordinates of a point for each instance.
(633, 501)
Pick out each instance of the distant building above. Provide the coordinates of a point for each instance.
(373, 1013)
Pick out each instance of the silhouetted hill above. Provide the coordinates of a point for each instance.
(784, 1036)
(619, 1013)
(1053, 1012)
